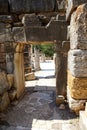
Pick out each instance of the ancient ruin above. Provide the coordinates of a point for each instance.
(62, 22)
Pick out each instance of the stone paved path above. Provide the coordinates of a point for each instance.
(37, 109)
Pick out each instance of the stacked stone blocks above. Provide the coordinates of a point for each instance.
(77, 56)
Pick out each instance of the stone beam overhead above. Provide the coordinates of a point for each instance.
(72, 5)
(51, 32)
(30, 6)
(3, 6)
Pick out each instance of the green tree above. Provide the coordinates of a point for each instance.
(47, 49)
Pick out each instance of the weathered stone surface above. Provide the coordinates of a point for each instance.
(6, 18)
(72, 4)
(65, 46)
(9, 63)
(83, 120)
(30, 76)
(4, 86)
(10, 78)
(75, 105)
(77, 86)
(50, 32)
(61, 5)
(19, 34)
(31, 20)
(30, 6)
(68, 32)
(78, 28)
(12, 94)
(3, 6)
(4, 101)
(77, 63)
(5, 32)
(19, 82)
(61, 70)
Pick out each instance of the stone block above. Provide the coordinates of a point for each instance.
(4, 101)
(30, 76)
(65, 46)
(9, 63)
(19, 35)
(61, 5)
(4, 86)
(4, 6)
(77, 87)
(31, 20)
(82, 121)
(10, 78)
(75, 105)
(47, 33)
(78, 28)
(72, 5)
(31, 6)
(5, 33)
(12, 94)
(77, 63)
(6, 19)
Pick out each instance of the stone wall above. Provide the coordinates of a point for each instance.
(77, 63)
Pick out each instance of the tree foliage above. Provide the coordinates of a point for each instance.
(47, 49)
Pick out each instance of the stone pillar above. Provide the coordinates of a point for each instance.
(37, 59)
(19, 81)
(77, 60)
(61, 70)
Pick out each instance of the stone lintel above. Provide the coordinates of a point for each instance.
(51, 32)
(31, 6)
(72, 5)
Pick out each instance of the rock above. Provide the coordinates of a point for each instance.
(10, 78)
(18, 34)
(30, 76)
(60, 99)
(78, 27)
(72, 4)
(4, 102)
(31, 20)
(77, 87)
(5, 33)
(62, 107)
(4, 86)
(31, 6)
(9, 63)
(75, 105)
(6, 19)
(77, 63)
(12, 94)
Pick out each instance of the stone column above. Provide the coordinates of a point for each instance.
(19, 80)
(37, 59)
(77, 60)
(61, 70)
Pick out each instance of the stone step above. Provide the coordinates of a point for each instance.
(30, 76)
(86, 108)
(83, 121)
